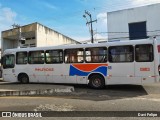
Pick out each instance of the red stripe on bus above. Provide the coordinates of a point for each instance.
(88, 67)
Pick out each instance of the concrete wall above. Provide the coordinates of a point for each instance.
(36, 35)
(8, 44)
(118, 21)
(49, 37)
(9, 38)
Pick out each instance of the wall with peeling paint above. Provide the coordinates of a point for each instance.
(49, 37)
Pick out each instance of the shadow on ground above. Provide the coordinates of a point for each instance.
(83, 92)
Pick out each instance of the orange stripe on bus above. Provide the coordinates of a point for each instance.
(88, 67)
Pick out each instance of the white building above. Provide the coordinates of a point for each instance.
(94, 41)
(136, 23)
(36, 35)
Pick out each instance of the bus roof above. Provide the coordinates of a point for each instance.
(131, 42)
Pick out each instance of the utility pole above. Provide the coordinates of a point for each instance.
(90, 22)
(20, 38)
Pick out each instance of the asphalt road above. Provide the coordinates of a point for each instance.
(113, 98)
(145, 103)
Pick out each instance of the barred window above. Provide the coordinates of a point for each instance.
(54, 56)
(96, 55)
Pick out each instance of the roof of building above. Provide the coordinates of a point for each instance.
(133, 8)
(45, 27)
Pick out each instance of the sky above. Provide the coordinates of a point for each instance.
(64, 16)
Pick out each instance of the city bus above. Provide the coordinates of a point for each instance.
(98, 64)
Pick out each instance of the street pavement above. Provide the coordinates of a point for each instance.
(17, 89)
(81, 98)
(33, 89)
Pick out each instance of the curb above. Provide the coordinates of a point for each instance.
(37, 92)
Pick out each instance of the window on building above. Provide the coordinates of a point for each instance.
(74, 55)
(137, 30)
(144, 53)
(96, 55)
(54, 56)
(21, 58)
(121, 54)
(33, 45)
(36, 57)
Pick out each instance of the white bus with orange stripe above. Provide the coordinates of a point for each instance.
(124, 62)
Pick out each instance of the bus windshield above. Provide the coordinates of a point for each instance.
(8, 61)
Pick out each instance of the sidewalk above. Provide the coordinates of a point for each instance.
(17, 89)
(152, 88)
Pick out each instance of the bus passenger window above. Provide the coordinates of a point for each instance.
(74, 55)
(121, 54)
(21, 58)
(144, 53)
(54, 56)
(36, 57)
(96, 55)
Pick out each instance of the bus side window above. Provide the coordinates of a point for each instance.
(96, 55)
(21, 58)
(74, 55)
(144, 53)
(110, 57)
(54, 56)
(118, 54)
(36, 57)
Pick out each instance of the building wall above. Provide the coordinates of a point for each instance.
(118, 21)
(36, 35)
(9, 38)
(49, 37)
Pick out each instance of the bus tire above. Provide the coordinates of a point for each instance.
(23, 78)
(97, 81)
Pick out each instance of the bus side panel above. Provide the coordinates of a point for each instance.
(27, 69)
(36, 73)
(145, 70)
(82, 80)
(122, 73)
(59, 73)
(9, 75)
(69, 79)
(81, 72)
(55, 73)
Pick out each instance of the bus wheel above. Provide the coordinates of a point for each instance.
(97, 81)
(23, 78)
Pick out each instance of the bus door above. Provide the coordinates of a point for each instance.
(121, 65)
(8, 68)
(72, 56)
(37, 66)
(54, 66)
(144, 63)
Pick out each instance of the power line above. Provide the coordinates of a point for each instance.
(129, 37)
(128, 32)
